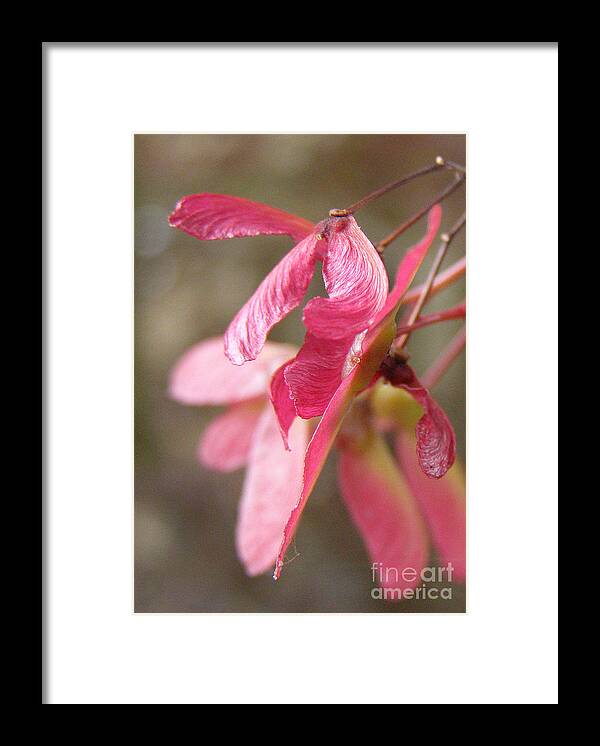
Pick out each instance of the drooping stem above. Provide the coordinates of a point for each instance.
(446, 240)
(446, 192)
(445, 359)
(439, 164)
(456, 312)
(443, 280)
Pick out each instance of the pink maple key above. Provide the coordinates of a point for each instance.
(245, 435)
(353, 272)
(353, 350)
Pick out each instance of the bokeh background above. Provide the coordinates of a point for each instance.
(187, 290)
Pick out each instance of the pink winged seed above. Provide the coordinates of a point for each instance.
(315, 374)
(216, 216)
(357, 287)
(327, 429)
(375, 347)
(273, 480)
(442, 502)
(226, 442)
(436, 441)
(204, 376)
(384, 512)
(277, 295)
(355, 280)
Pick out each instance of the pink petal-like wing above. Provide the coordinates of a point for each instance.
(214, 216)
(203, 375)
(442, 502)
(374, 349)
(279, 293)
(323, 362)
(357, 285)
(322, 440)
(273, 481)
(315, 374)
(225, 443)
(282, 402)
(436, 441)
(384, 511)
(355, 280)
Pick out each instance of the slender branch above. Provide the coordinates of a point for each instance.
(446, 240)
(456, 167)
(456, 228)
(446, 192)
(456, 312)
(445, 278)
(439, 164)
(445, 359)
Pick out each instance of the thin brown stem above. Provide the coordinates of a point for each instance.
(456, 312)
(445, 359)
(443, 280)
(456, 167)
(439, 164)
(447, 239)
(440, 197)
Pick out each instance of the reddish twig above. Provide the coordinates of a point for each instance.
(447, 239)
(456, 312)
(443, 280)
(445, 359)
(440, 197)
(439, 164)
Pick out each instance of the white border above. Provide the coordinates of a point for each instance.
(503, 651)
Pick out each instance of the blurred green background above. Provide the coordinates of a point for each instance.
(187, 290)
